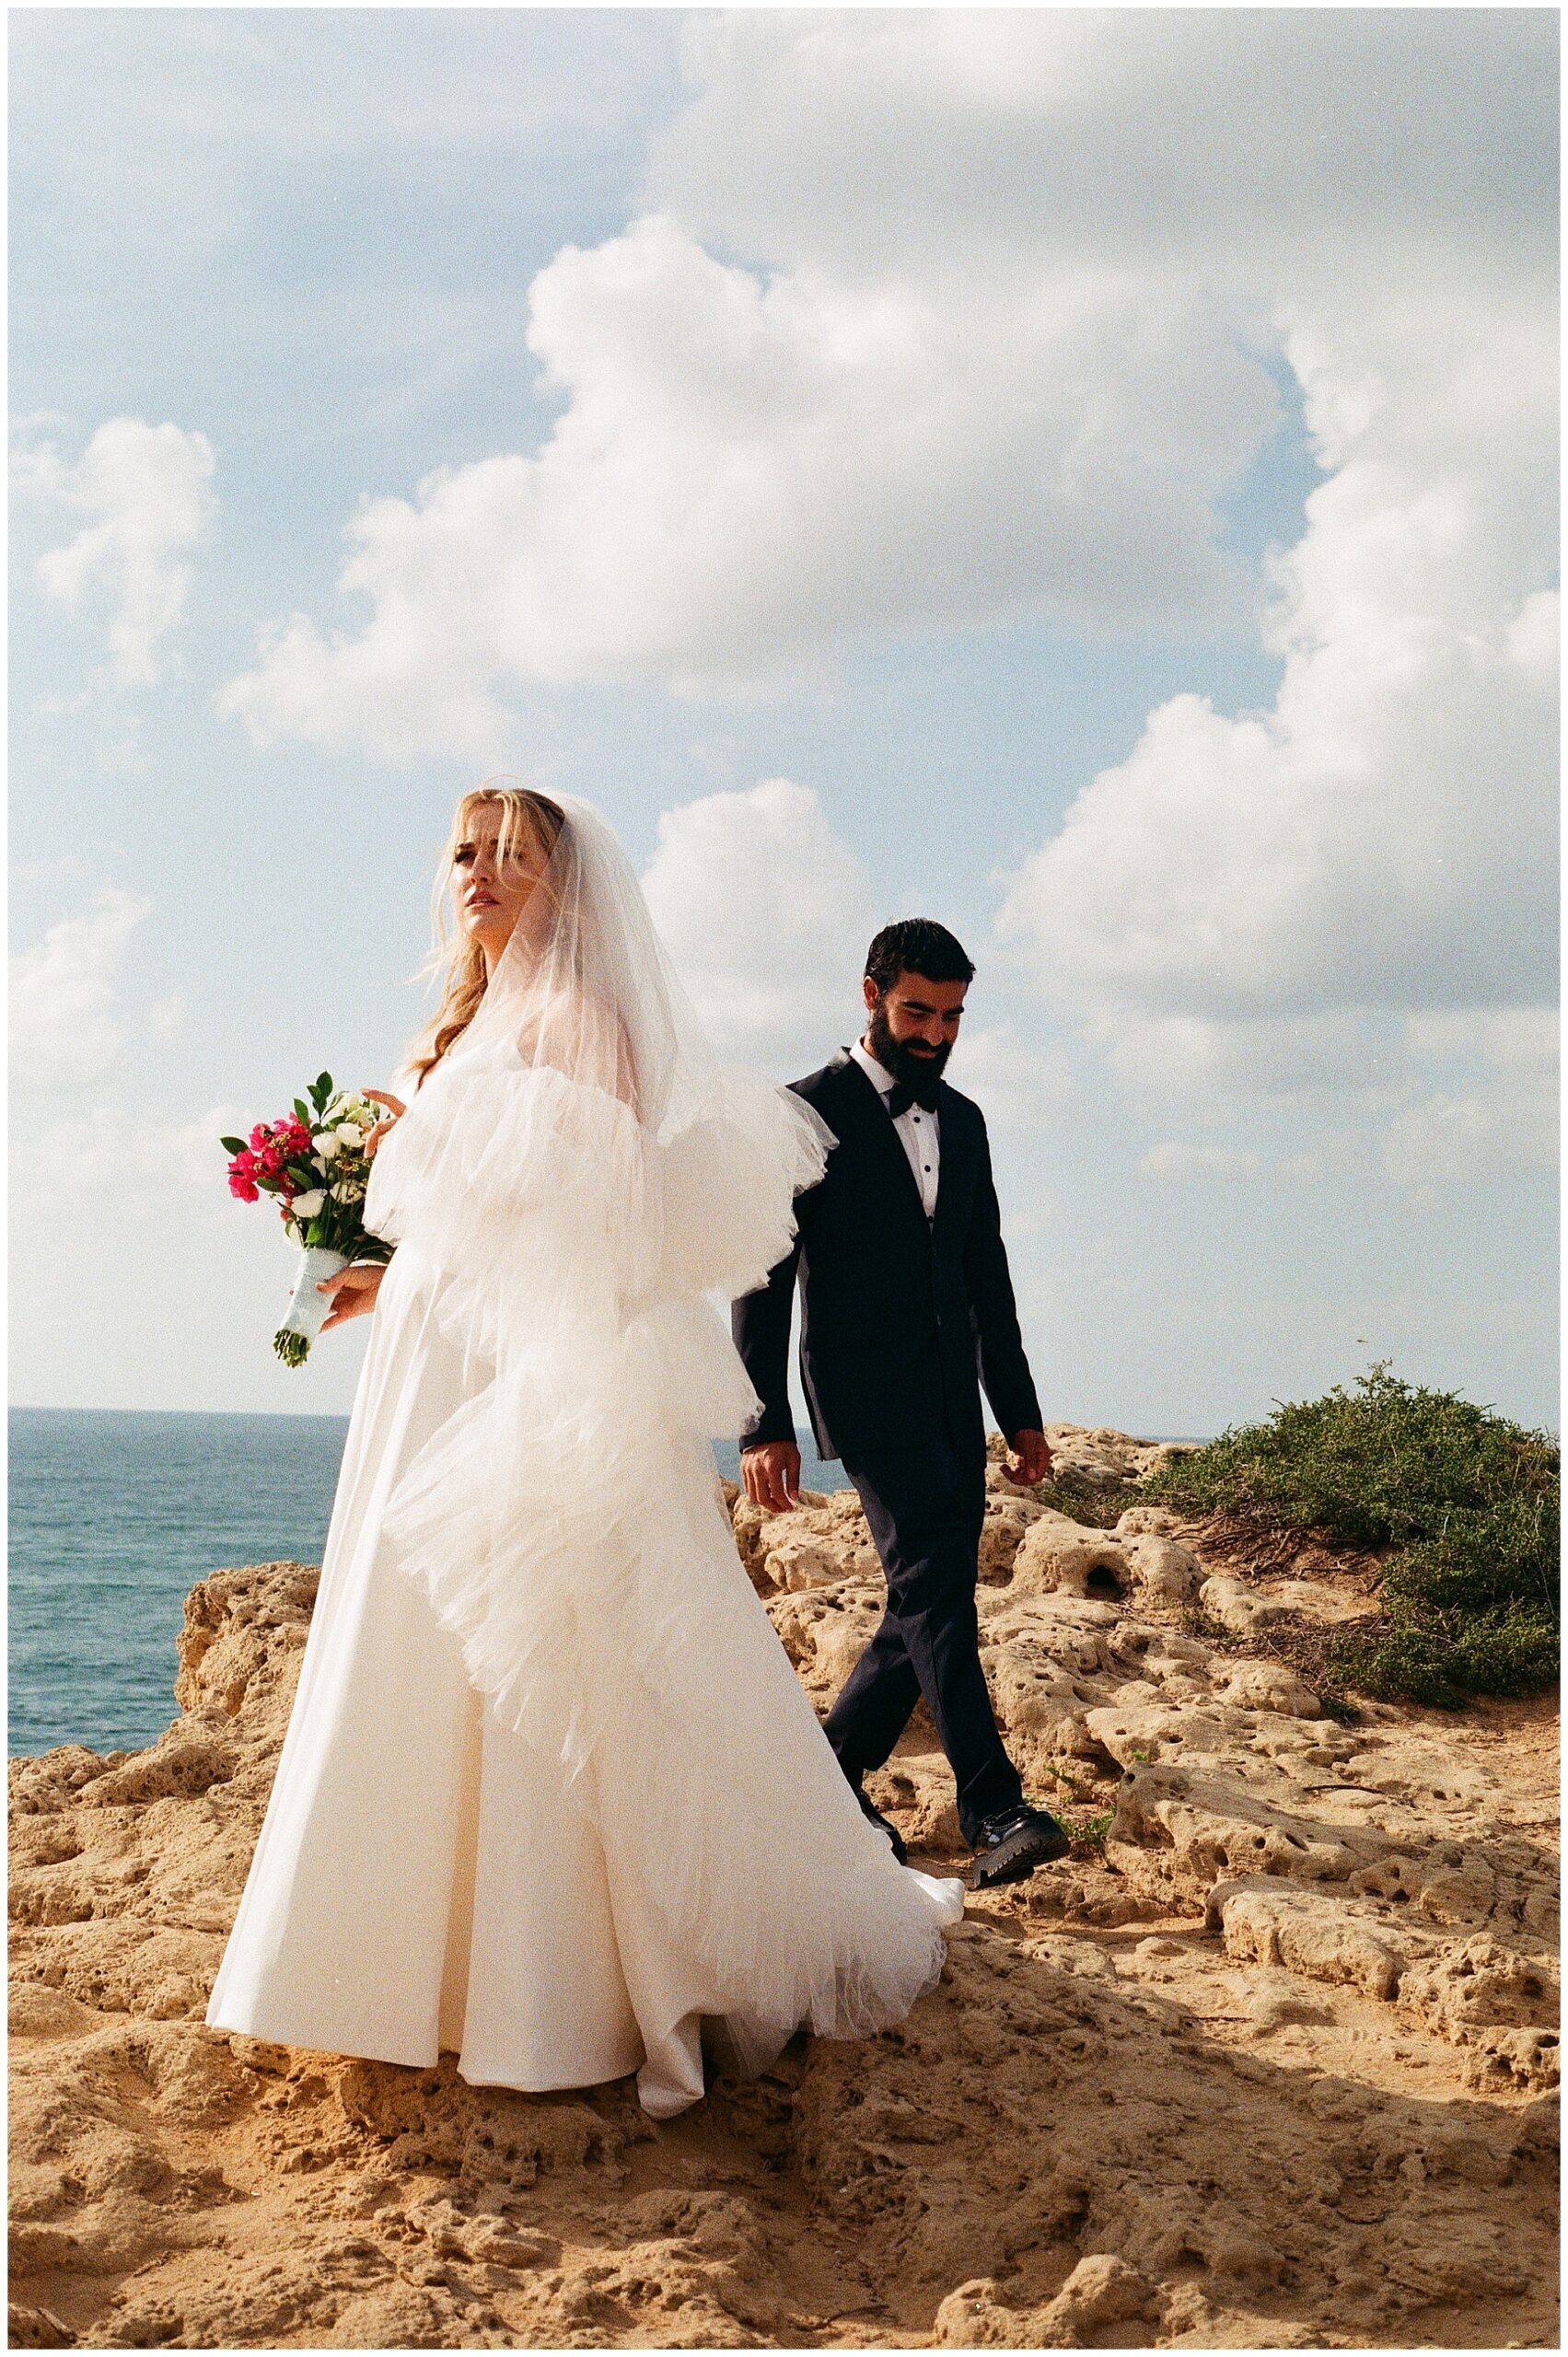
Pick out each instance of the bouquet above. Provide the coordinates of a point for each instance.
(314, 1162)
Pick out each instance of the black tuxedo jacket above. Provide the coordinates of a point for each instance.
(901, 1318)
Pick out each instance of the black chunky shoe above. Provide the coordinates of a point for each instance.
(883, 1825)
(1010, 1846)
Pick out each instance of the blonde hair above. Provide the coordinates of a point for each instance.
(530, 823)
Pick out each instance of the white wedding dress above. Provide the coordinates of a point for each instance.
(552, 1797)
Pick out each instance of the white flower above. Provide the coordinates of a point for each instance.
(342, 1191)
(307, 1206)
(326, 1143)
(349, 1135)
(321, 1162)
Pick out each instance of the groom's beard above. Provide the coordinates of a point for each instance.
(920, 1073)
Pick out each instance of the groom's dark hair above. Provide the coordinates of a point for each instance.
(917, 946)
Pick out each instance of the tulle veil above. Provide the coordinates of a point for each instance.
(588, 1185)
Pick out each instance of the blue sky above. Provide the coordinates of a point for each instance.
(881, 467)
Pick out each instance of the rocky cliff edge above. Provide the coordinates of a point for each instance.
(1266, 2064)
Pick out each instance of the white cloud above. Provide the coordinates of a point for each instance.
(167, 129)
(1433, 1101)
(969, 138)
(756, 469)
(60, 868)
(146, 492)
(1016, 1085)
(68, 1026)
(82, 1137)
(1376, 840)
(941, 320)
(767, 915)
(128, 1163)
(1497, 1114)
(1302, 1060)
(1183, 1163)
(1256, 905)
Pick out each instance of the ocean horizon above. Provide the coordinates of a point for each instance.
(116, 1512)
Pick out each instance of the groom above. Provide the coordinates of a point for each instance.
(906, 1308)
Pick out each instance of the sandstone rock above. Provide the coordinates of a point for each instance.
(1138, 1520)
(801, 1559)
(1163, 1572)
(1008, 1516)
(1094, 1458)
(1263, 1924)
(815, 1543)
(825, 1630)
(175, 1766)
(1461, 1893)
(916, 1790)
(1057, 1556)
(1239, 1608)
(1526, 2059)
(1101, 2294)
(1266, 1686)
(1186, 1833)
(1480, 1985)
(750, 1523)
(1102, 2291)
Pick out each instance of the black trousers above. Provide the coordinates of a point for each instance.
(925, 1505)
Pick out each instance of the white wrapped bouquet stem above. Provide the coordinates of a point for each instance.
(307, 1309)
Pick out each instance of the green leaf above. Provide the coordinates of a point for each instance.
(322, 1090)
(233, 1146)
(303, 1110)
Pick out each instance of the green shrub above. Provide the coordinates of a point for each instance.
(1098, 1508)
(1464, 1502)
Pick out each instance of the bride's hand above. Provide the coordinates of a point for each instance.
(353, 1291)
(397, 1109)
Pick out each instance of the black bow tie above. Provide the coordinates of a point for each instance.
(900, 1097)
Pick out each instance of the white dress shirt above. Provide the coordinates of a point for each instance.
(918, 1128)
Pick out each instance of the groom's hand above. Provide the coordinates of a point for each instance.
(1030, 1460)
(770, 1475)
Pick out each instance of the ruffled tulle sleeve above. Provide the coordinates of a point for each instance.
(729, 1183)
(519, 1186)
(540, 1196)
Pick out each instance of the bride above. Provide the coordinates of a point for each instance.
(552, 1797)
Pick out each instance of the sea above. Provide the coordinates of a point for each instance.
(114, 1517)
(115, 1514)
